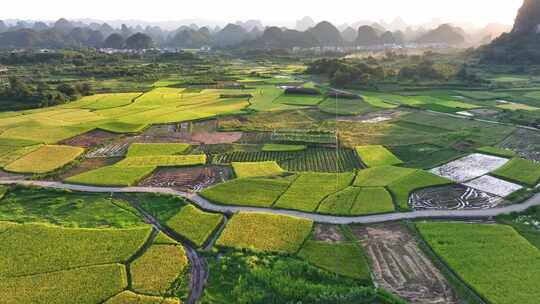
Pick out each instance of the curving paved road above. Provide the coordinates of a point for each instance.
(327, 219)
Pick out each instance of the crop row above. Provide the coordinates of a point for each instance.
(314, 159)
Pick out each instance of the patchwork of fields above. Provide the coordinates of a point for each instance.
(263, 138)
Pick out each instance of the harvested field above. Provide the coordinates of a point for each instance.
(493, 185)
(118, 149)
(526, 143)
(400, 267)
(453, 197)
(470, 167)
(90, 139)
(327, 233)
(188, 179)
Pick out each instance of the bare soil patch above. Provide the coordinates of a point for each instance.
(327, 233)
(198, 132)
(454, 197)
(401, 267)
(216, 138)
(90, 139)
(188, 179)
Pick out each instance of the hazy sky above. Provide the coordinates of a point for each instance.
(283, 12)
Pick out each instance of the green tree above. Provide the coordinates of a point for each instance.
(139, 41)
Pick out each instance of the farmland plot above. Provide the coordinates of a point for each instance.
(112, 150)
(376, 156)
(493, 185)
(157, 271)
(257, 169)
(521, 171)
(470, 167)
(309, 189)
(89, 139)
(187, 179)
(311, 160)
(45, 159)
(254, 192)
(400, 267)
(344, 259)
(275, 233)
(472, 250)
(144, 149)
(453, 197)
(526, 143)
(402, 188)
(112, 176)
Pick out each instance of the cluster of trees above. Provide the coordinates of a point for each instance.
(266, 278)
(42, 93)
(369, 72)
(343, 73)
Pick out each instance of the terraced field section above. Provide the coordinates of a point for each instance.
(399, 266)
(514, 272)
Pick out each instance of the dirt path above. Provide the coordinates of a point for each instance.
(199, 269)
(401, 267)
(369, 219)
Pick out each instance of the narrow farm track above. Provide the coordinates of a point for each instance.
(327, 219)
(198, 270)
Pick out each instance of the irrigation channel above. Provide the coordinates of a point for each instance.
(319, 218)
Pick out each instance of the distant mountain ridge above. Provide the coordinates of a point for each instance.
(242, 34)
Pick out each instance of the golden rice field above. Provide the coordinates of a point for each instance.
(265, 232)
(45, 159)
